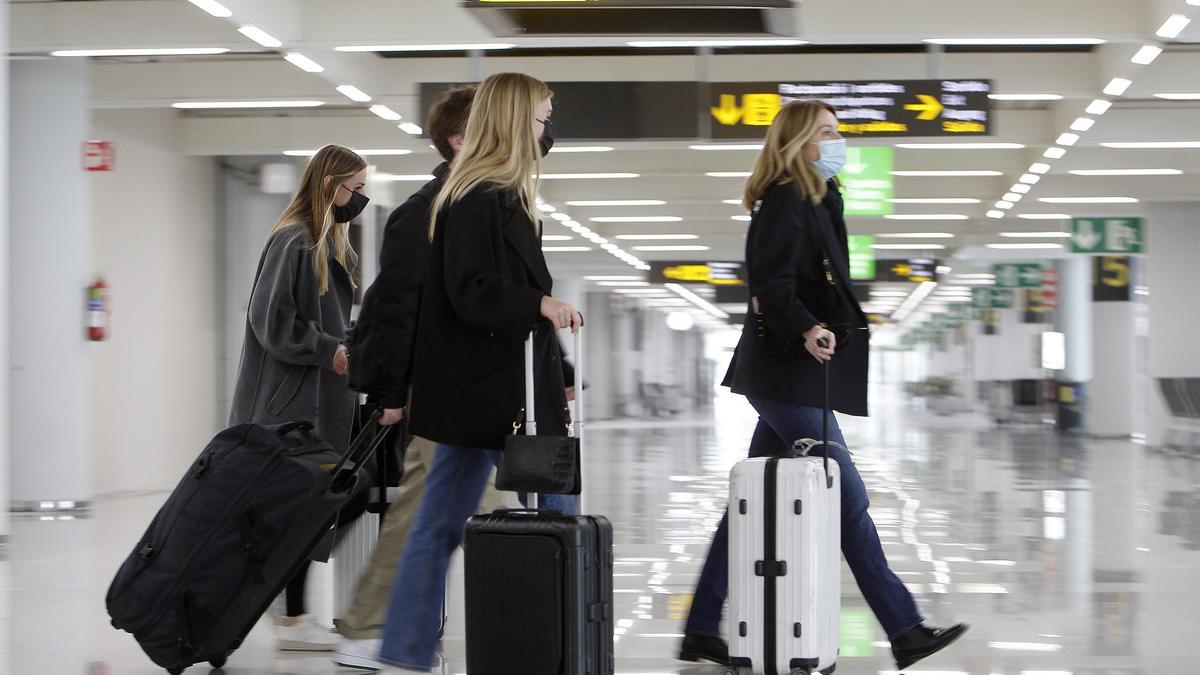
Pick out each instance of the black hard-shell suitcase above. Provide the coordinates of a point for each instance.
(539, 594)
(244, 518)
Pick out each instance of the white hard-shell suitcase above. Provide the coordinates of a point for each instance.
(785, 563)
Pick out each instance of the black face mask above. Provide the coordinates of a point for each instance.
(547, 140)
(350, 210)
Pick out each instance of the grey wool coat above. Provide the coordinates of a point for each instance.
(292, 335)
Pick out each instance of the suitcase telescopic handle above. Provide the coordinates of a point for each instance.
(576, 426)
(365, 443)
(823, 343)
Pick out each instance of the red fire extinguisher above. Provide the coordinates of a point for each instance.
(98, 311)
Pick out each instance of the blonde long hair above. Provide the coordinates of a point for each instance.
(499, 146)
(312, 208)
(782, 153)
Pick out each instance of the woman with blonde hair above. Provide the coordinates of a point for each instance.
(293, 362)
(799, 278)
(488, 287)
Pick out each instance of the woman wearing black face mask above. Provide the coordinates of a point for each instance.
(293, 361)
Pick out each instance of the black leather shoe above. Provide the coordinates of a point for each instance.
(924, 641)
(704, 648)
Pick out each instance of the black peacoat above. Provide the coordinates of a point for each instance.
(482, 297)
(798, 262)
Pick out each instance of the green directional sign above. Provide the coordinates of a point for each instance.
(1018, 275)
(981, 298)
(1108, 236)
(992, 298)
(862, 256)
(1003, 298)
(867, 181)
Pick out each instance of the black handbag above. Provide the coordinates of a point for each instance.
(543, 464)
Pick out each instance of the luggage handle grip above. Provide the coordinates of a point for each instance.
(574, 427)
(356, 446)
(527, 512)
(823, 343)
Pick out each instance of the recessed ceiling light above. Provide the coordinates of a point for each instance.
(566, 249)
(612, 278)
(385, 112)
(947, 174)
(396, 177)
(557, 237)
(1044, 216)
(916, 235)
(670, 248)
(1023, 41)
(1016, 247)
(1067, 139)
(239, 105)
(1154, 145)
(410, 128)
(743, 219)
(1039, 168)
(654, 44)
(1173, 26)
(1013, 197)
(927, 216)
(727, 146)
(213, 7)
(304, 63)
(354, 93)
(617, 202)
(261, 36)
(1020, 188)
(623, 284)
(1098, 107)
(960, 146)
(908, 247)
(652, 237)
(1082, 124)
(1117, 86)
(1054, 153)
(184, 51)
(728, 174)
(1191, 96)
(1146, 55)
(1036, 235)
(995, 214)
(1004, 205)
(1025, 97)
(935, 200)
(458, 47)
(587, 176)
(1029, 179)
(1088, 200)
(560, 216)
(546, 208)
(1127, 172)
(568, 149)
(636, 219)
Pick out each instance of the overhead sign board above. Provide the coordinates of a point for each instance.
(867, 181)
(914, 270)
(1019, 275)
(1108, 236)
(719, 273)
(865, 107)
(991, 298)
(862, 256)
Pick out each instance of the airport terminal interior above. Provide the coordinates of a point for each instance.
(1022, 199)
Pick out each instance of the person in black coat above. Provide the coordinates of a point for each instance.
(801, 320)
(488, 287)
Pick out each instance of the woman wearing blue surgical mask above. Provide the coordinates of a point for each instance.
(799, 277)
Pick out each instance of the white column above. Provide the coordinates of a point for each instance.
(1113, 395)
(5, 469)
(1073, 318)
(49, 273)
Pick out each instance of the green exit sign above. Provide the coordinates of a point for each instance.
(1018, 275)
(867, 182)
(1108, 236)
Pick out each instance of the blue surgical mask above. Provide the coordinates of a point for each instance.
(833, 158)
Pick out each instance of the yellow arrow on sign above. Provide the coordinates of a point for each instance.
(729, 113)
(929, 107)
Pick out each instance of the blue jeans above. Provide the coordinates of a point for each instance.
(779, 425)
(452, 492)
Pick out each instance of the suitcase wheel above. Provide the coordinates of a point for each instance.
(176, 671)
(730, 670)
(217, 663)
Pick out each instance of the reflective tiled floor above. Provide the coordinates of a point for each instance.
(1068, 556)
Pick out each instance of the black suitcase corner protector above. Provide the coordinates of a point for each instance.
(741, 662)
(807, 664)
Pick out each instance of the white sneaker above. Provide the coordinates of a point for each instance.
(359, 653)
(305, 636)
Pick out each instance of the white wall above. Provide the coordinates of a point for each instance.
(154, 383)
(5, 471)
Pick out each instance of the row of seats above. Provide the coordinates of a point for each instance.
(1182, 395)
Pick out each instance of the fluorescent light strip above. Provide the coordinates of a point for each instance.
(623, 284)
(947, 174)
(1088, 200)
(697, 301)
(1098, 107)
(927, 216)
(1021, 188)
(613, 278)
(735, 202)
(1190, 96)
(556, 237)
(728, 174)
(1026, 247)
(1029, 179)
(261, 36)
(670, 248)
(742, 219)
(935, 200)
(398, 177)
(1146, 55)
(213, 7)
(1054, 153)
(915, 298)
(1082, 124)
(1025, 97)
(353, 93)
(726, 146)
(243, 105)
(1117, 86)
(1012, 197)
(1067, 139)
(960, 146)
(381, 152)
(1003, 204)
(464, 47)
(995, 214)
(410, 128)
(1036, 235)
(618, 202)
(636, 219)
(908, 247)
(1173, 26)
(566, 249)
(1004, 42)
(656, 237)
(915, 235)
(386, 113)
(1039, 168)
(186, 51)
(569, 149)
(1153, 145)
(304, 63)
(1045, 216)
(656, 44)
(1126, 172)
(587, 176)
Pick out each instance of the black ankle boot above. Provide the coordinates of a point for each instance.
(704, 647)
(924, 641)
